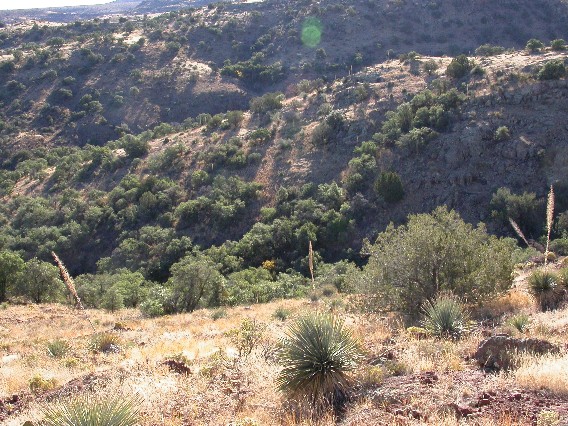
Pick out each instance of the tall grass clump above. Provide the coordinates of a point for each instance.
(57, 348)
(318, 353)
(445, 317)
(116, 410)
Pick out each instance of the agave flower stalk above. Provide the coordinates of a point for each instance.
(71, 286)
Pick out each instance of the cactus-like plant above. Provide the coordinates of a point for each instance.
(318, 353)
(445, 317)
(93, 411)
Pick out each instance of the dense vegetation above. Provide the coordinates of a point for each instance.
(180, 214)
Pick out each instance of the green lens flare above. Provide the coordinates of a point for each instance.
(311, 32)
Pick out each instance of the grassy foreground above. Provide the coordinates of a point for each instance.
(48, 353)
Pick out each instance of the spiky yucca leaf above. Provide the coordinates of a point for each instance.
(90, 411)
(445, 317)
(318, 353)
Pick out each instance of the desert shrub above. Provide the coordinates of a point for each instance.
(11, 268)
(195, 281)
(218, 314)
(57, 348)
(157, 303)
(115, 410)
(525, 209)
(520, 322)
(281, 313)
(318, 353)
(552, 70)
(445, 317)
(502, 134)
(267, 103)
(543, 285)
(105, 343)
(489, 50)
(431, 253)
(112, 300)
(261, 135)
(459, 67)
(534, 45)
(39, 281)
(558, 44)
(416, 139)
(430, 66)
(40, 384)
(389, 186)
(247, 336)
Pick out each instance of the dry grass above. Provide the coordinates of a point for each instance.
(548, 372)
(223, 389)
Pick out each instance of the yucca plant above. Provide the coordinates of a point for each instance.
(115, 410)
(543, 286)
(57, 348)
(445, 317)
(520, 321)
(318, 353)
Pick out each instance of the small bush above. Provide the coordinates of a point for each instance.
(502, 134)
(558, 44)
(115, 410)
(552, 70)
(247, 336)
(218, 314)
(459, 67)
(389, 187)
(534, 45)
(489, 50)
(445, 317)
(318, 353)
(105, 342)
(520, 322)
(57, 348)
(39, 384)
(281, 313)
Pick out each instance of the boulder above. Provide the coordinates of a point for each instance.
(496, 352)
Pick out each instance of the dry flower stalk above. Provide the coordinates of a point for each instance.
(71, 286)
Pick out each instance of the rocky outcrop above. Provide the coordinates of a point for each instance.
(497, 352)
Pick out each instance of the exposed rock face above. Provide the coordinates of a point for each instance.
(496, 352)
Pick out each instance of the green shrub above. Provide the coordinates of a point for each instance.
(115, 410)
(489, 50)
(520, 322)
(558, 44)
(317, 355)
(218, 314)
(389, 187)
(281, 313)
(267, 103)
(445, 317)
(502, 134)
(431, 253)
(57, 348)
(552, 70)
(534, 45)
(40, 384)
(459, 67)
(247, 336)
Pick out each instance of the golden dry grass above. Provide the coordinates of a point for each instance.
(224, 389)
(548, 372)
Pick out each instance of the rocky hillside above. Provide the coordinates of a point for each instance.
(259, 127)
